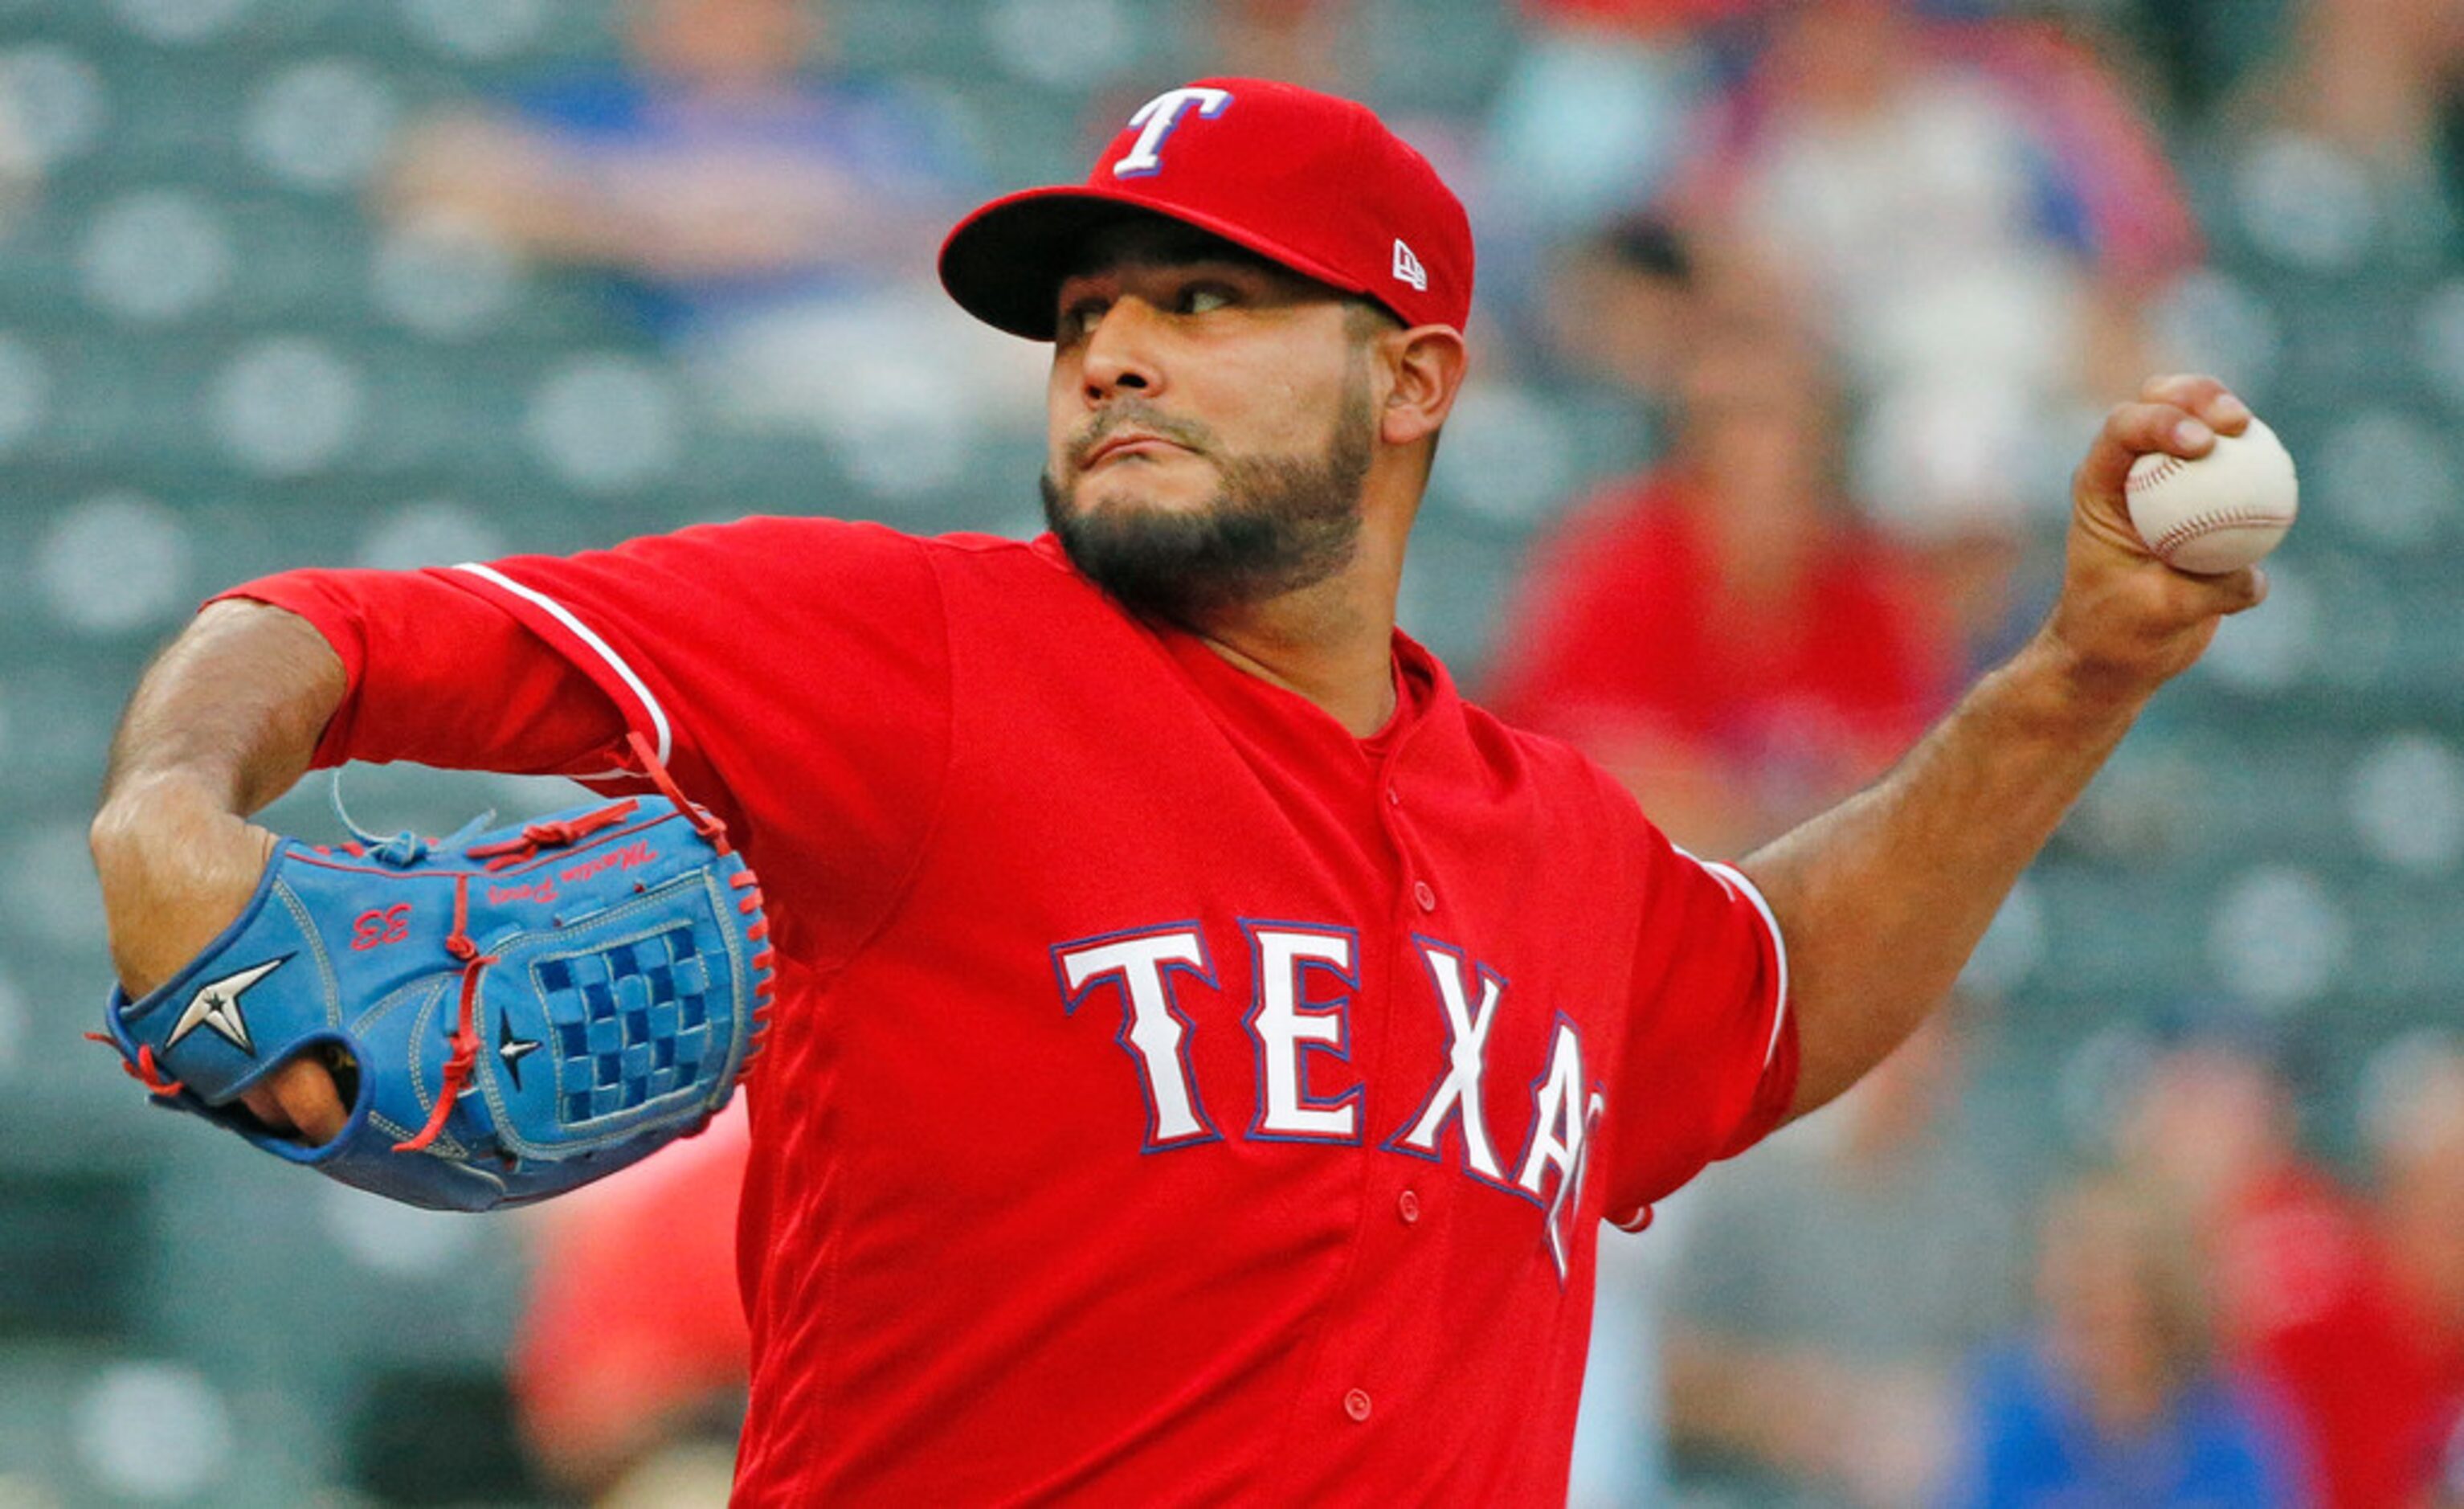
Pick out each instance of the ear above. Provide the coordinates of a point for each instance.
(1426, 364)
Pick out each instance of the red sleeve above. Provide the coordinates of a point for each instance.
(792, 673)
(456, 681)
(1712, 1054)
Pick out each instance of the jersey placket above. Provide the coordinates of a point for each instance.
(1397, 1198)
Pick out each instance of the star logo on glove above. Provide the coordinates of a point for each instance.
(216, 1005)
(512, 1049)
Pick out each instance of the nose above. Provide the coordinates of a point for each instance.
(1122, 354)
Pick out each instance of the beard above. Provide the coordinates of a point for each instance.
(1277, 524)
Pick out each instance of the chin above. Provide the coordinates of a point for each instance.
(1137, 487)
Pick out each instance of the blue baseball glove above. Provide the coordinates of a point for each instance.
(511, 1013)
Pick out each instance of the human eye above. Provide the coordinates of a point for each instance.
(1205, 297)
(1079, 317)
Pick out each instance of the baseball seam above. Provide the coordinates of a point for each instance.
(2191, 528)
(2154, 474)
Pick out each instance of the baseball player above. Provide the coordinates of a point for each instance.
(1205, 1045)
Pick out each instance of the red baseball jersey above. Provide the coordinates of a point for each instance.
(1171, 1098)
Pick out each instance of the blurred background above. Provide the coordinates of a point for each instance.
(1792, 316)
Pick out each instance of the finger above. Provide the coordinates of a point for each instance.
(299, 1099)
(2224, 593)
(2205, 397)
(2135, 430)
(267, 1107)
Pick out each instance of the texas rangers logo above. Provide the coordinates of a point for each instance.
(1303, 981)
(1157, 119)
(216, 1005)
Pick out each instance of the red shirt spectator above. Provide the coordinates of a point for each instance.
(2307, 1291)
(1631, 644)
(635, 1335)
(2309, 1302)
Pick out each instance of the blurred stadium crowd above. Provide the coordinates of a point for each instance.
(1792, 316)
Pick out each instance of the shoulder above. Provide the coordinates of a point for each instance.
(802, 544)
(1550, 769)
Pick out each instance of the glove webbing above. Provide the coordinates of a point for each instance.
(466, 1031)
(513, 850)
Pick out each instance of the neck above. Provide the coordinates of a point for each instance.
(1332, 643)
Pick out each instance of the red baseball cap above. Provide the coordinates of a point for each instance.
(1315, 183)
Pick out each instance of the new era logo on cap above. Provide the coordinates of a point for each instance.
(1408, 268)
(1315, 183)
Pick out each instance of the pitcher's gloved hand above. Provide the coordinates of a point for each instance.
(506, 1015)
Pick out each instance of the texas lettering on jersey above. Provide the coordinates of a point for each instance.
(1306, 976)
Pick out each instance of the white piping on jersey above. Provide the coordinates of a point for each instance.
(598, 646)
(1734, 881)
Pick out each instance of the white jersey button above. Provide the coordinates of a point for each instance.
(1394, 797)
(1407, 1204)
(1423, 894)
(1355, 1403)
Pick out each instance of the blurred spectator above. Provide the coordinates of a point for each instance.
(2306, 1299)
(2347, 142)
(1828, 1290)
(1946, 472)
(1591, 123)
(775, 225)
(633, 1357)
(1972, 205)
(1596, 112)
(2117, 1399)
(1316, 43)
(1627, 306)
(2372, 79)
(1320, 44)
(1721, 634)
(1951, 473)
(2417, 1146)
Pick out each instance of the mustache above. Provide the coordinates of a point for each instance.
(1132, 414)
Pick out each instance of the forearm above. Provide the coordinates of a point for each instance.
(233, 708)
(223, 722)
(1883, 898)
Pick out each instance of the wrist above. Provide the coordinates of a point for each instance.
(2070, 696)
(143, 807)
(175, 865)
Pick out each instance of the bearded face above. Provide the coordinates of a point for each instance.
(1212, 422)
(1276, 523)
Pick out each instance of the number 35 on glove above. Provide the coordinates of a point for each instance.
(524, 1011)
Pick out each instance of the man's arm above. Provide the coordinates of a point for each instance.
(1883, 898)
(224, 721)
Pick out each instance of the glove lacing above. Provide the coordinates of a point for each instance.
(535, 836)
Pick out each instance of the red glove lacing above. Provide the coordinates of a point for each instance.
(712, 829)
(145, 1070)
(466, 1031)
(547, 836)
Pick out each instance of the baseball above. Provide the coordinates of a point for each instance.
(2220, 512)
